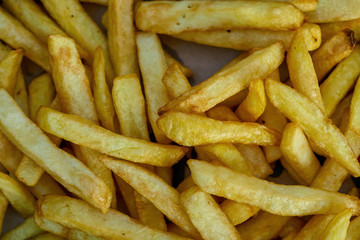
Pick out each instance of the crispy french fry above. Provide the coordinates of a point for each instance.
(314, 123)
(314, 228)
(183, 16)
(353, 232)
(294, 200)
(153, 66)
(328, 30)
(238, 212)
(25, 230)
(247, 39)
(234, 100)
(336, 117)
(170, 60)
(175, 81)
(83, 132)
(3, 207)
(205, 130)
(338, 226)
(153, 188)
(21, 94)
(228, 82)
(254, 104)
(354, 118)
(333, 51)
(9, 68)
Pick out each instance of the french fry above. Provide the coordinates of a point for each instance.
(25, 230)
(175, 81)
(298, 154)
(9, 68)
(353, 230)
(50, 226)
(83, 132)
(75, 234)
(291, 171)
(153, 66)
(28, 137)
(238, 212)
(71, 17)
(338, 226)
(254, 104)
(173, 228)
(234, 100)
(166, 173)
(314, 228)
(128, 195)
(330, 29)
(170, 60)
(247, 39)
(224, 84)
(263, 226)
(45, 186)
(28, 171)
(185, 184)
(292, 227)
(354, 118)
(336, 117)
(176, 127)
(199, 205)
(294, 200)
(153, 188)
(3, 207)
(4, 50)
(314, 124)
(21, 94)
(333, 51)
(47, 236)
(183, 16)
(302, 71)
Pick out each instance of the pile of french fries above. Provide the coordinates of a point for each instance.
(88, 145)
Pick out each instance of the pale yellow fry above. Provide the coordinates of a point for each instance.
(170, 60)
(337, 116)
(18, 195)
(314, 123)
(28, 171)
(314, 228)
(248, 39)
(47, 236)
(263, 226)
(353, 231)
(175, 81)
(102, 97)
(25, 230)
(153, 188)
(206, 215)
(333, 51)
(71, 17)
(338, 226)
(50, 226)
(238, 212)
(330, 29)
(302, 71)
(66, 169)
(192, 129)
(255, 102)
(340, 81)
(83, 132)
(274, 198)
(77, 214)
(21, 94)
(3, 207)
(224, 84)
(180, 16)
(129, 104)
(153, 66)
(17, 36)
(354, 118)
(121, 37)
(9, 68)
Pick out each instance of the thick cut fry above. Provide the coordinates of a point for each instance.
(66, 169)
(183, 16)
(175, 81)
(25, 230)
(206, 215)
(153, 188)
(71, 16)
(332, 52)
(271, 197)
(102, 97)
(338, 226)
(254, 104)
(328, 30)
(353, 232)
(354, 118)
(130, 106)
(314, 123)
(3, 207)
(28, 171)
(247, 39)
(9, 68)
(238, 212)
(171, 60)
(192, 129)
(121, 37)
(153, 66)
(50, 226)
(77, 214)
(298, 154)
(83, 132)
(21, 94)
(302, 71)
(340, 81)
(263, 226)
(20, 37)
(314, 228)
(228, 82)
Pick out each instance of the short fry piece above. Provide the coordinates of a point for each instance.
(238, 212)
(338, 226)
(9, 68)
(175, 81)
(25, 230)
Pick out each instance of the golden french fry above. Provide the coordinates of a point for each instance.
(199, 205)
(28, 171)
(338, 226)
(102, 97)
(226, 83)
(47, 236)
(185, 184)
(20, 37)
(9, 68)
(175, 81)
(50, 226)
(353, 232)
(302, 71)
(314, 228)
(330, 29)
(254, 104)
(183, 16)
(234, 100)
(290, 200)
(3, 207)
(25, 230)
(247, 39)
(263, 226)
(128, 195)
(333, 51)
(153, 188)
(21, 94)
(292, 227)
(192, 129)
(171, 60)
(344, 105)
(153, 66)
(45, 186)
(354, 118)
(238, 212)
(314, 123)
